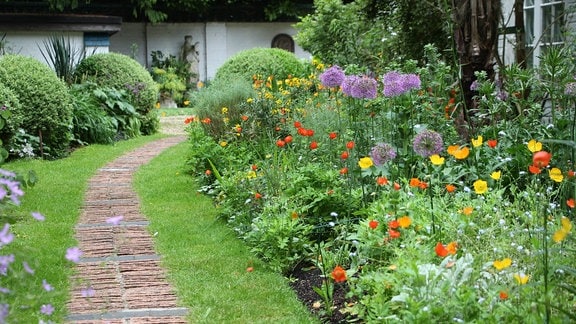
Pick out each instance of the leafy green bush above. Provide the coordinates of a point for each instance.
(46, 108)
(121, 72)
(263, 62)
(8, 103)
(92, 125)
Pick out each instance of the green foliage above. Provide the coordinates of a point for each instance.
(61, 54)
(46, 109)
(121, 72)
(8, 103)
(169, 83)
(92, 125)
(262, 62)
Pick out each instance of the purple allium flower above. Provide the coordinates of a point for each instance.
(5, 236)
(88, 292)
(27, 268)
(428, 143)
(348, 84)
(47, 309)
(332, 77)
(570, 89)
(411, 81)
(73, 254)
(365, 87)
(475, 85)
(114, 220)
(38, 216)
(382, 153)
(392, 84)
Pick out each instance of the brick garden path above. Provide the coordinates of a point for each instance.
(119, 278)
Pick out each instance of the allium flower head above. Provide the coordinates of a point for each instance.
(365, 87)
(332, 77)
(570, 89)
(396, 84)
(349, 84)
(382, 153)
(428, 143)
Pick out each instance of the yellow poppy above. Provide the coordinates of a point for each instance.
(224, 110)
(223, 143)
(534, 146)
(521, 278)
(496, 175)
(502, 264)
(478, 141)
(480, 186)
(365, 162)
(436, 159)
(561, 234)
(556, 174)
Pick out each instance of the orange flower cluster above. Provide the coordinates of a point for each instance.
(415, 182)
(443, 250)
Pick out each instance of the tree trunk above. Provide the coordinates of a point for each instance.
(476, 37)
(520, 33)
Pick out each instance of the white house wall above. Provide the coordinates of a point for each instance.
(31, 43)
(217, 41)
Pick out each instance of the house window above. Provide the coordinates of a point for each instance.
(544, 21)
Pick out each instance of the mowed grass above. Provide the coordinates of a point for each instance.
(206, 262)
(58, 195)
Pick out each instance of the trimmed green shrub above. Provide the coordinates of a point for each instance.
(263, 62)
(121, 72)
(92, 125)
(46, 109)
(8, 104)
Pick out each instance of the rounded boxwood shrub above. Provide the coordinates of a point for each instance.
(45, 104)
(263, 62)
(9, 122)
(119, 71)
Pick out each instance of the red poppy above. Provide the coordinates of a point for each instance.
(206, 120)
(254, 167)
(297, 124)
(571, 203)
(313, 145)
(441, 250)
(301, 131)
(244, 118)
(503, 295)
(350, 145)
(492, 143)
(393, 224)
(344, 155)
(188, 120)
(280, 143)
(373, 224)
(288, 139)
(570, 173)
(541, 159)
(309, 132)
(534, 169)
(393, 234)
(257, 195)
(423, 185)
(343, 171)
(339, 274)
(396, 186)
(382, 181)
(332, 135)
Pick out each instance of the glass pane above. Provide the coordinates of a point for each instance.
(528, 3)
(546, 24)
(529, 21)
(558, 22)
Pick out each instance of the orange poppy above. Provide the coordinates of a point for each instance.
(343, 171)
(393, 224)
(396, 186)
(350, 145)
(344, 155)
(423, 185)
(541, 159)
(414, 182)
(393, 234)
(534, 169)
(441, 250)
(280, 143)
(297, 124)
(339, 274)
(288, 139)
(313, 145)
(571, 203)
(382, 181)
(450, 188)
(492, 143)
(332, 135)
(373, 224)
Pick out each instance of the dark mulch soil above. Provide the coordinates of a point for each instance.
(304, 278)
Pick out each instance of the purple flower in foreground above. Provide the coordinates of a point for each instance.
(474, 86)
(348, 84)
(88, 292)
(38, 216)
(570, 89)
(364, 87)
(47, 309)
(4, 291)
(114, 220)
(428, 143)
(46, 285)
(27, 268)
(7, 174)
(382, 153)
(73, 254)
(14, 189)
(4, 310)
(5, 261)
(332, 77)
(5, 236)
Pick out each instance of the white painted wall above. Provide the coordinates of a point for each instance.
(217, 41)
